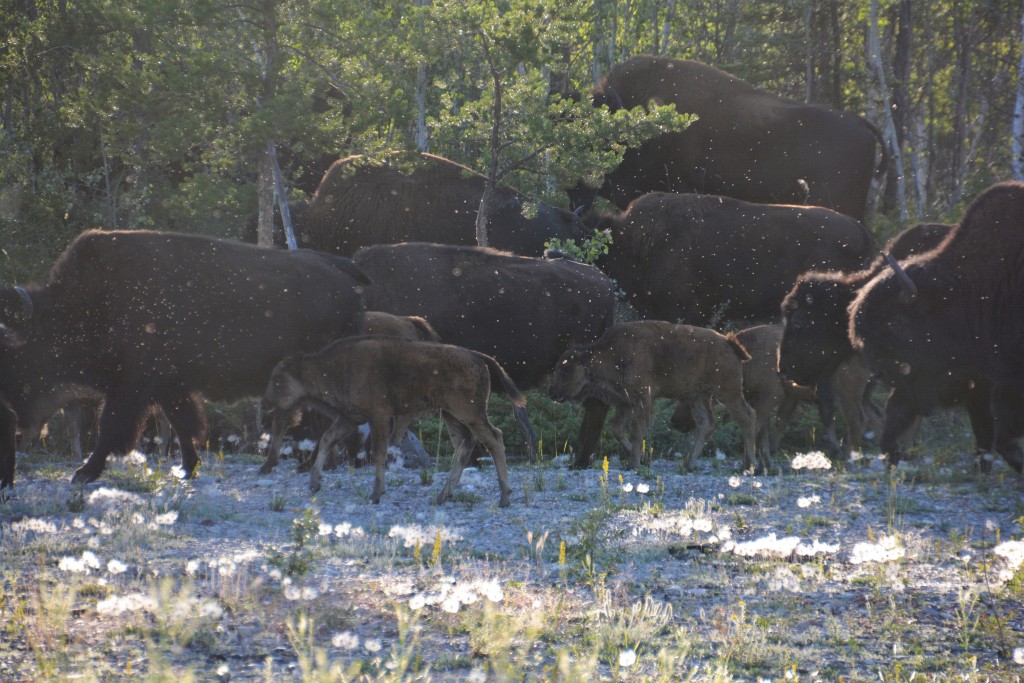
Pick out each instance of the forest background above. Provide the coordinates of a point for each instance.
(158, 113)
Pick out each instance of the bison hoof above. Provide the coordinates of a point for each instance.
(314, 485)
(504, 502)
(84, 476)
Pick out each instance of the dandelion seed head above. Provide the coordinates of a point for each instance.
(372, 645)
(627, 658)
(642, 488)
(345, 640)
(116, 567)
(815, 460)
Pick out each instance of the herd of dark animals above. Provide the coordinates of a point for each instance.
(389, 311)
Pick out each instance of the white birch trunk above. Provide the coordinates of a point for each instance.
(1017, 162)
(265, 193)
(875, 63)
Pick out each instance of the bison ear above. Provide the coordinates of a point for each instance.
(16, 307)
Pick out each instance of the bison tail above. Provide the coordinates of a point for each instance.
(737, 347)
(498, 374)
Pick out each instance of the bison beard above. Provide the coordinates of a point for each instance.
(146, 318)
(380, 379)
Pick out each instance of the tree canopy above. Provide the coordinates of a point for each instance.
(147, 113)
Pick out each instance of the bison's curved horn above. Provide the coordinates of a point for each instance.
(579, 210)
(909, 293)
(26, 303)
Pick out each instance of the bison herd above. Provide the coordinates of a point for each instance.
(389, 311)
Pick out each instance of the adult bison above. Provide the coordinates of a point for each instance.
(746, 143)
(693, 258)
(815, 344)
(954, 315)
(360, 203)
(158, 318)
(522, 311)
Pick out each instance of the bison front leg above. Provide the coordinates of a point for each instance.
(280, 422)
(594, 414)
(120, 426)
(740, 411)
(339, 429)
(703, 418)
(188, 420)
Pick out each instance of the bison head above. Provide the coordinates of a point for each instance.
(814, 328)
(16, 307)
(570, 378)
(285, 389)
(898, 321)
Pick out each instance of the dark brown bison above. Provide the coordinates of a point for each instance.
(378, 379)
(359, 204)
(774, 399)
(375, 323)
(634, 363)
(693, 258)
(525, 312)
(148, 318)
(815, 343)
(953, 315)
(746, 143)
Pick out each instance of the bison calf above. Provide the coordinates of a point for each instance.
(377, 379)
(634, 363)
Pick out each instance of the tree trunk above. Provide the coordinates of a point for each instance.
(1017, 160)
(876, 65)
(962, 40)
(271, 67)
(900, 85)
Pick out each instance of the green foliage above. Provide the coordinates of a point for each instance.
(588, 250)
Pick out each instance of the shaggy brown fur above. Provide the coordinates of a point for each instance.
(376, 379)
(771, 396)
(634, 363)
(409, 328)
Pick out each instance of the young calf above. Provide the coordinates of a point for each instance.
(634, 363)
(376, 379)
(772, 396)
(408, 327)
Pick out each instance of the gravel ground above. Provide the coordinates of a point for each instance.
(808, 574)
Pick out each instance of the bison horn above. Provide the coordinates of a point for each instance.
(579, 210)
(909, 294)
(26, 303)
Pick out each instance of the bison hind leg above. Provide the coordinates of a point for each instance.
(700, 409)
(463, 443)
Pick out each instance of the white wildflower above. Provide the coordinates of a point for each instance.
(627, 658)
(477, 676)
(417, 602)
(39, 526)
(222, 670)
(816, 548)
(309, 593)
(815, 460)
(1018, 655)
(90, 559)
(292, 593)
(807, 501)
(178, 472)
(78, 523)
(719, 456)
(116, 567)
(192, 567)
(263, 442)
(167, 519)
(234, 439)
(137, 518)
(373, 645)
(735, 482)
(307, 445)
(627, 487)
(767, 546)
(326, 530)
(109, 495)
(1012, 553)
(345, 640)
(886, 549)
(451, 605)
(642, 488)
